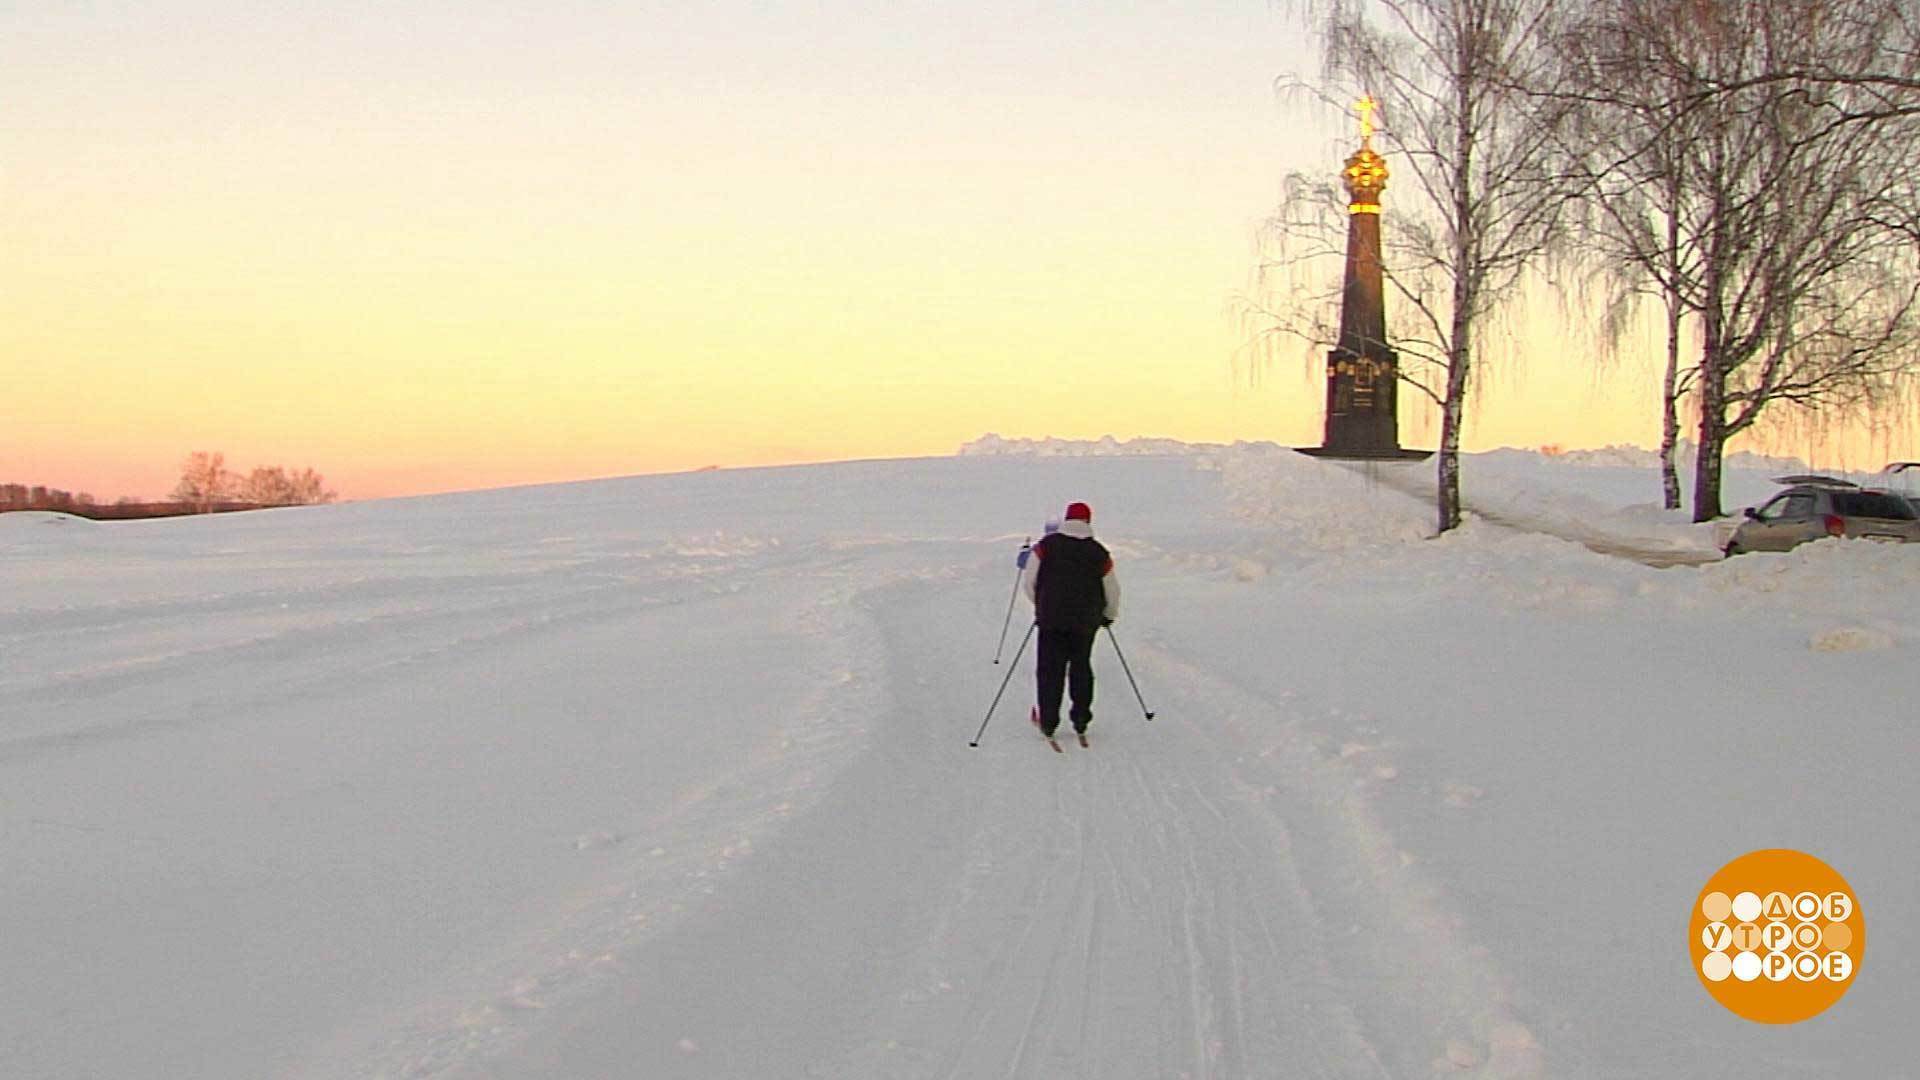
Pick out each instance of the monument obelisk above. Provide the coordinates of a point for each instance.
(1363, 374)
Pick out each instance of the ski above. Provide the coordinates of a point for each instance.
(1034, 716)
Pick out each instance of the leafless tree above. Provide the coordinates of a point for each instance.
(1882, 64)
(204, 480)
(308, 488)
(276, 487)
(1767, 194)
(1629, 135)
(267, 487)
(1482, 192)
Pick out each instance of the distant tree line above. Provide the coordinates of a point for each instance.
(206, 486)
(205, 482)
(41, 497)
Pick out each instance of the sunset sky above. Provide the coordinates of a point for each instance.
(433, 245)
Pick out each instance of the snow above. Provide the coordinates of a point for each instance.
(669, 777)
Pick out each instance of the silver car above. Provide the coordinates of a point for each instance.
(1815, 507)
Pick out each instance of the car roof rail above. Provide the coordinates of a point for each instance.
(1900, 466)
(1816, 481)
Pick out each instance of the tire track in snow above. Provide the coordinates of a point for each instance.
(320, 653)
(1659, 556)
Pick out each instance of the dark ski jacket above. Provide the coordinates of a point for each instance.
(1070, 580)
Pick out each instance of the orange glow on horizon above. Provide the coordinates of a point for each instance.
(443, 250)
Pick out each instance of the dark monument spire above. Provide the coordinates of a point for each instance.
(1363, 384)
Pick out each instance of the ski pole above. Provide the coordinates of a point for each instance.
(1019, 567)
(1003, 685)
(1123, 666)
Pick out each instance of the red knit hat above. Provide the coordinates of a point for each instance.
(1080, 512)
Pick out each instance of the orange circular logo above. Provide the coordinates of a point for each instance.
(1777, 936)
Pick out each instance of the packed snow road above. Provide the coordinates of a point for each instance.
(1152, 907)
(669, 777)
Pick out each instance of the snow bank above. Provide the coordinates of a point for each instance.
(1609, 496)
(18, 525)
(1106, 446)
(1622, 455)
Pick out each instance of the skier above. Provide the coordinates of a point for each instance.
(1020, 560)
(1071, 583)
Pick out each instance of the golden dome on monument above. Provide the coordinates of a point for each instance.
(1366, 171)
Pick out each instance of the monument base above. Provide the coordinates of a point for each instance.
(1337, 453)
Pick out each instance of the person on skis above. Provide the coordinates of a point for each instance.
(1020, 560)
(1071, 583)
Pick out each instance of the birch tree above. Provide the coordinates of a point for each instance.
(1776, 146)
(1630, 143)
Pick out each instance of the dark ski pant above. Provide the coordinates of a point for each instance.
(1065, 662)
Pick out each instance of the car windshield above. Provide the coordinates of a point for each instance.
(1869, 504)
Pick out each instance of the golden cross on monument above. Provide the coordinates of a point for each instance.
(1366, 106)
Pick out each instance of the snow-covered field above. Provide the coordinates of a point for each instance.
(669, 777)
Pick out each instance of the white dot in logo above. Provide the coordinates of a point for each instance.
(1775, 936)
(1716, 937)
(1806, 935)
(1716, 967)
(1746, 966)
(1806, 966)
(1716, 907)
(1839, 907)
(1806, 906)
(1777, 967)
(1839, 966)
(1746, 907)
